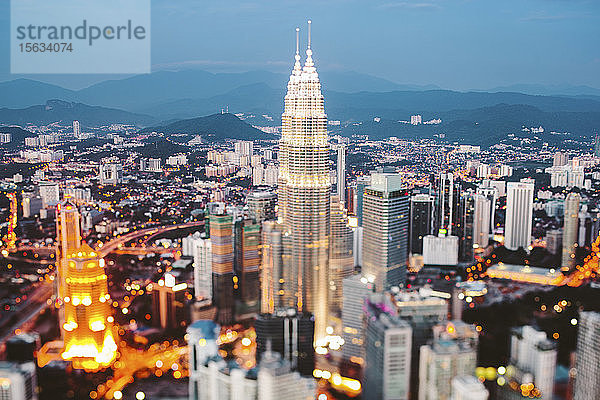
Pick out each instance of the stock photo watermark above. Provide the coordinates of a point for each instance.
(80, 36)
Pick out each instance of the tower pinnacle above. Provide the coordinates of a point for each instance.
(309, 61)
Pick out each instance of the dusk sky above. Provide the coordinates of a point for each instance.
(455, 44)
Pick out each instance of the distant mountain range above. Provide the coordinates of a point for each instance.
(215, 127)
(66, 112)
(171, 102)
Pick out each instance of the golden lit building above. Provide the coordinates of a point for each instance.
(85, 317)
(304, 195)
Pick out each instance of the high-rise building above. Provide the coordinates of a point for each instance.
(31, 204)
(304, 193)
(272, 283)
(221, 236)
(597, 145)
(422, 311)
(341, 173)
(452, 353)
(474, 224)
(467, 387)
(570, 230)
(532, 352)
(261, 205)
(587, 379)
(200, 248)
(561, 159)
(18, 381)
(446, 196)
(275, 380)
(387, 348)
(244, 148)
(111, 173)
(519, 215)
(341, 256)
(76, 129)
(421, 221)
(168, 298)
(247, 261)
(362, 182)
(86, 320)
(356, 289)
(22, 348)
(50, 194)
(385, 231)
(290, 334)
(491, 194)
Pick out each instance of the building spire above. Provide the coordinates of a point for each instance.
(309, 61)
(297, 66)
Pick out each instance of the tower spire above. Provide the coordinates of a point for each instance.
(297, 67)
(309, 61)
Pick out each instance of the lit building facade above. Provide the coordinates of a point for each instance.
(304, 194)
(587, 380)
(570, 231)
(519, 215)
(341, 258)
(385, 231)
(452, 353)
(86, 320)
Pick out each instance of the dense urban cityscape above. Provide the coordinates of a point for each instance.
(254, 256)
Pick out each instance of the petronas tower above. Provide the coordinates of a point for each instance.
(304, 195)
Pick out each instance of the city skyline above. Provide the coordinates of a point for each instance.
(302, 243)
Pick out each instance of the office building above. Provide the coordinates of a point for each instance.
(385, 231)
(440, 250)
(447, 195)
(304, 194)
(490, 193)
(519, 215)
(291, 335)
(276, 380)
(341, 173)
(246, 263)
(272, 282)
(244, 148)
(111, 173)
(221, 236)
(451, 353)
(553, 240)
(532, 352)
(85, 316)
(387, 349)
(421, 221)
(362, 182)
(422, 310)
(587, 379)
(168, 298)
(261, 205)
(570, 230)
(22, 347)
(560, 159)
(31, 204)
(76, 129)
(201, 250)
(341, 254)
(18, 381)
(49, 193)
(467, 387)
(356, 290)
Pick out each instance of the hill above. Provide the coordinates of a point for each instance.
(216, 127)
(18, 136)
(67, 112)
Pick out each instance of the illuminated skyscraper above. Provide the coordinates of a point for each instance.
(221, 236)
(304, 193)
(341, 256)
(341, 173)
(570, 228)
(385, 235)
(519, 215)
(587, 380)
(86, 320)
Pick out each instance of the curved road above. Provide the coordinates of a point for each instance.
(150, 232)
